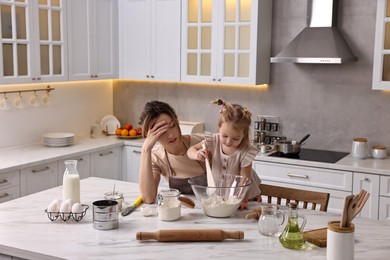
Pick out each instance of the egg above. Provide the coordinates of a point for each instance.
(65, 209)
(77, 211)
(53, 209)
(70, 202)
(146, 211)
(58, 203)
(77, 208)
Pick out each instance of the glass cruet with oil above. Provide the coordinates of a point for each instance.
(292, 236)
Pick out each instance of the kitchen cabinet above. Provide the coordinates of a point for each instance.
(384, 198)
(9, 186)
(149, 39)
(37, 178)
(83, 166)
(33, 41)
(226, 41)
(92, 39)
(370, 183)
(107, 163)
(132, 160)
(337, 183)
(381, 63)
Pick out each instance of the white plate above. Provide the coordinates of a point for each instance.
(58, 135)
(109, 124)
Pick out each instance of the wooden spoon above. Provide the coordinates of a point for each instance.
(363, 197)
(344, 216)
(210, 178)
(351, 209)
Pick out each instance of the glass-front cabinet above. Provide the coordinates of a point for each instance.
(381, 71)
(226, 41)
(32, 41)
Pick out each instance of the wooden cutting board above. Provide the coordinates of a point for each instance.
(316, 236)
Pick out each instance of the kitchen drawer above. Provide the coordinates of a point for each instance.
(9, 193)
(38, 178)
(385, 186)
(336, 198)
(308, 176)
(9, 179)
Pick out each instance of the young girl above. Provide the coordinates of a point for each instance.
(231, 151)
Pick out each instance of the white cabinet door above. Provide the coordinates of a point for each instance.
(83, 166)
(9, 186)
(107, 163)
(226, 41)
(149, 39)
(370, 183)
(33, 43)
(384, 208)
(381, 69)
(132, 157)
(92, 36)
(38, 178)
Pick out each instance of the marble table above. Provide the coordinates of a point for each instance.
(26, 232)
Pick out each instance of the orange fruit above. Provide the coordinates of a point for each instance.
(133, 132)
(118, 131)
(124, 132)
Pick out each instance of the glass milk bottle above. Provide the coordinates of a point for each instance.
(71, 182)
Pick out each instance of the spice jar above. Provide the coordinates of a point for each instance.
(169, 206)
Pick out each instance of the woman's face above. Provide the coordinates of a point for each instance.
(172, 136)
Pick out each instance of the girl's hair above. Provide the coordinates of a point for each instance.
(238, 116)
(154, 109)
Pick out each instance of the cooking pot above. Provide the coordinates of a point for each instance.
(291, 147)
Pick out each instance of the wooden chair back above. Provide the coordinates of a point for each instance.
(306, 197)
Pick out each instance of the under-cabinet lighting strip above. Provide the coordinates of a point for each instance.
(48, 89)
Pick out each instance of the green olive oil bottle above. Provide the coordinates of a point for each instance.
(292, 236)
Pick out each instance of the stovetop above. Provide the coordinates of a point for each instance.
(313, 155)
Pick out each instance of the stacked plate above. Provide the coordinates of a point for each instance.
(58, 139)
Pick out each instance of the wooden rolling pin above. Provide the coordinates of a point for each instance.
(177, 235)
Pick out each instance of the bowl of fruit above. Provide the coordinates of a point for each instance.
(128, 132)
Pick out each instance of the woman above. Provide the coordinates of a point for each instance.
(168, 157)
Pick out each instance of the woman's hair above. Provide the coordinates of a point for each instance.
(238, 116)
(154, 109)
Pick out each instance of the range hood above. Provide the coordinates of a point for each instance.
(321, 41)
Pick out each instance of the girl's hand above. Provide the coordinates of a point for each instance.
(154, 134)
(243, 205)
(201, 155)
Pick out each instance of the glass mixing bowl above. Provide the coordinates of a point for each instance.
(223, 200)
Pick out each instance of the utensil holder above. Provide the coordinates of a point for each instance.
(340, 241)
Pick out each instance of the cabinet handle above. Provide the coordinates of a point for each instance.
(4, 195)
(213, 79)
(366, 179)
(104, 154)
(135, 151)
(297, 175)
(34, 78)
(41, 170)
(152, 77)
(147, 76)
(219, 80)
(80, 160)
(38, 78)
(3, 181)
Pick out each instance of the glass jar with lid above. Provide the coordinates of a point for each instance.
(169, 206)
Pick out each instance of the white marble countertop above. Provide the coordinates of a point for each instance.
(25, 231)
(30, 155)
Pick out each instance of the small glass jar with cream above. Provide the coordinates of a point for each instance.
(117, 196)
